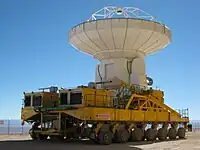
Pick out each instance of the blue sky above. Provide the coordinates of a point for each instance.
(35, 52)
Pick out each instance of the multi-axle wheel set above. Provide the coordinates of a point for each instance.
(121, 133)
(107, 133)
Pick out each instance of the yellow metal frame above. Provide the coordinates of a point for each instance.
(28, 112)
(148, 110)
(150, 107)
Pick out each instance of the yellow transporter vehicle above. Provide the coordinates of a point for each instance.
(109, 115)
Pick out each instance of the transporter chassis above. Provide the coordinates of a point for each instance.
(106, 132)
(141, 117)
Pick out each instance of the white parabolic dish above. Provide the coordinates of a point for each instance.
(119, 37)
(120, 44)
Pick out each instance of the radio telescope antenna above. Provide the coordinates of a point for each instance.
(120, 38)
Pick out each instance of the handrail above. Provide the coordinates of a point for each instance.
(183, 112)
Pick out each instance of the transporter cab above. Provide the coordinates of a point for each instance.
(119, 113)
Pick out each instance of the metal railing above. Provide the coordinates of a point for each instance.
(13, 127)
(183, 112)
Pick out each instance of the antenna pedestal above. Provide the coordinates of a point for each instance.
(127, 70)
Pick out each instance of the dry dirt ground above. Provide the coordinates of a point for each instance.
(9, 142)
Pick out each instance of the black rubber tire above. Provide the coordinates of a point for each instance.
(32, 134)
(86, 133)
(137, 134)
(150, 134)
(172, 133)
(37, 136)
(181, 133)
(105, 137)
(162, 134)
(122, 136)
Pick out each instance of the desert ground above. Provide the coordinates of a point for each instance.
(22, 142)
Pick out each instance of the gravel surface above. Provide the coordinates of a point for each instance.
(9, 142)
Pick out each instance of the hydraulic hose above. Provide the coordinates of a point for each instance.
(99, 72)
